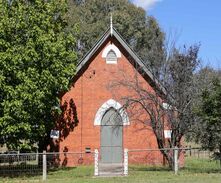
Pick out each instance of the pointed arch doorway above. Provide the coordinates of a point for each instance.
(111, 135)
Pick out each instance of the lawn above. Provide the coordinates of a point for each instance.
(196, 170)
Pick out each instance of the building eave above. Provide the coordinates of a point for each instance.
(93, 50)
(135, 57)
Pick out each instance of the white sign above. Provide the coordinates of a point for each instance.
(167, 134)
(167, 106)
(54, 134)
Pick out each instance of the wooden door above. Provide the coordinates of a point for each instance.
(111, 137)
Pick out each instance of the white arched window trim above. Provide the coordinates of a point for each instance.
(107, 105)
(111, 47)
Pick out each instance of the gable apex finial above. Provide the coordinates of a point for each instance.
(111, 24)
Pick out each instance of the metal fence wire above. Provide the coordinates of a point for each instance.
(68, 159)
(198, 153)
(38, 165)
(21, 164)
(45, 165)
(190, 159)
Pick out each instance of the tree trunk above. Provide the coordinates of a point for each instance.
(42, 146)
(169, 158)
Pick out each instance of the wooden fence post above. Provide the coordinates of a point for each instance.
(37, 157)
(175, 160)
(96, 155)
(125, 162)
(44, 163)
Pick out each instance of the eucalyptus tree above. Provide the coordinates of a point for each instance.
(141, 31)
(208, 134)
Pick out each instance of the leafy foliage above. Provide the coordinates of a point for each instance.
(203, 81)
(140, 31)
(210, 113)
(181, 87)
(36, 63)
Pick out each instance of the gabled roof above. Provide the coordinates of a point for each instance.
(113, 32)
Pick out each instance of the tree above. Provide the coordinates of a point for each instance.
(203, 80)
(171, 109)
(209, 133)
(181, 87)
(142, 32)
(37, 62)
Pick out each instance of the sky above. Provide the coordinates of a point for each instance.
(190, 21)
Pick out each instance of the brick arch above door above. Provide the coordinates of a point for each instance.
(107, 105)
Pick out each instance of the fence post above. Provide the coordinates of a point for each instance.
(18, 156)
(175, 160)
(96, 155)
(125, 162)
(37, 157)
(44, 166)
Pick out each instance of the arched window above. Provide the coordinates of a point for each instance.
(111, 118)
(111, 54)
(111, 57)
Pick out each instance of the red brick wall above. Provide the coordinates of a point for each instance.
(89, 92)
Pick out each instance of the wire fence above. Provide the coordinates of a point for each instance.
(155, 159)
(198, 153)
(44, 166)
(20, 164)
(40, 165)
(189, 159)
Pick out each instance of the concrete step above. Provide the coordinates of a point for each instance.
(110, 170)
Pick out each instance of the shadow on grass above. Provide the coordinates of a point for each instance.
(148, 168)
(61, 169)
(201, 170)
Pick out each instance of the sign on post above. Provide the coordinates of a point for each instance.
(54, 134)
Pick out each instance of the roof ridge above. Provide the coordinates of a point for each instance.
(127, 47)
(88, 52)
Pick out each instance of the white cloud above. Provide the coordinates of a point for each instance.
(146, 4)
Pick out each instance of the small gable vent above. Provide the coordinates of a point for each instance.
(111, 57)
(111, 54)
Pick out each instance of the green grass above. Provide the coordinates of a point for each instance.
(196, 170)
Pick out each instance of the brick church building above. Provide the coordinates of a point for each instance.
(102, 122)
